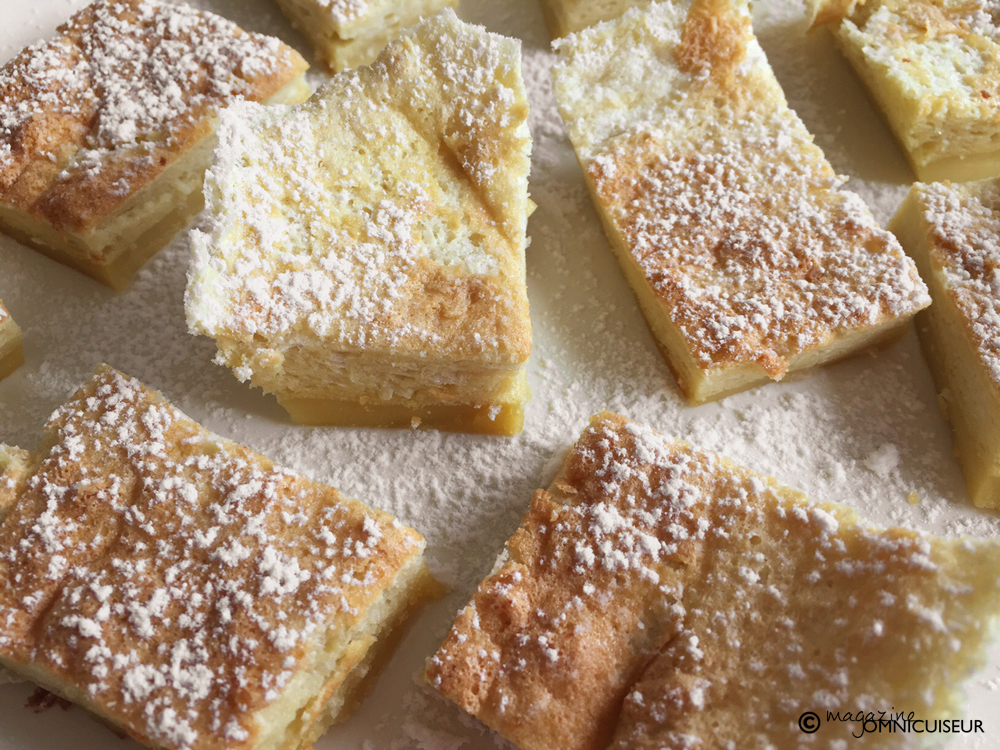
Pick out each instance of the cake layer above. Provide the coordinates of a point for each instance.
(349, 33)
(953, 233)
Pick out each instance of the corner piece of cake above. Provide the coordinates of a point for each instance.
(11, 347)
(184, 589)
(363, 254)
(747, 259)
(658, 596)
(106, 130)
(349, 33)
(565, 17)
(953, 233)
(933, 69)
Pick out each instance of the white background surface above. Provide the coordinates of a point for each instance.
(866, 432)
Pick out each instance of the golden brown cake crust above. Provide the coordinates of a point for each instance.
(92, 116)
(170, 580)
(661, 597)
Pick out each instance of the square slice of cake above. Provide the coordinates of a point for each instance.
(933, 69)
(106, 130)
(745, 255)
(186, 590)
(953, 233)
(363, 254)
(569, 16)
(11, 348)
(658, 596)
(349, 33)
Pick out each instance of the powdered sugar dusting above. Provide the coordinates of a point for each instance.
(592, 351)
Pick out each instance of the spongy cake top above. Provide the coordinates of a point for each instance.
(733, 214)
(93, 115)
(659, 596)
(387, 214)
(174, 581)
(963, 223)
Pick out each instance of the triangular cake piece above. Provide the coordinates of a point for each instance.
(186, 590)
(658, 596)
(953, 233)
(746, 257)
(363, 256)
(11, 346)
(932, 67)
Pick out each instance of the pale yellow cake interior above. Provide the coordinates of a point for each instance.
(346, 33)
(932, 68)
(11, 347)
(969, 395)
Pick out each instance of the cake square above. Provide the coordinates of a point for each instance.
(11, 347)
(349, 33)
(186, 590)
(953, 233)
(565, 17)
(363, 254)
(106, 130)
(932, 68)
(747, 259)
(658, 596)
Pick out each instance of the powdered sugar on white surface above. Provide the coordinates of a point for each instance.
(592, 351)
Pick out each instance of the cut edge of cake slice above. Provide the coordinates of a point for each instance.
(946, 229)
(929, 69)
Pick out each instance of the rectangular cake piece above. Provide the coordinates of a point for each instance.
(658, 596)
(745, 255)
(11, 348)
(933, 69)
(569, 16)
(363, 254)
(106, 130)
(349, 33)
(953, 233)
(186, 590)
